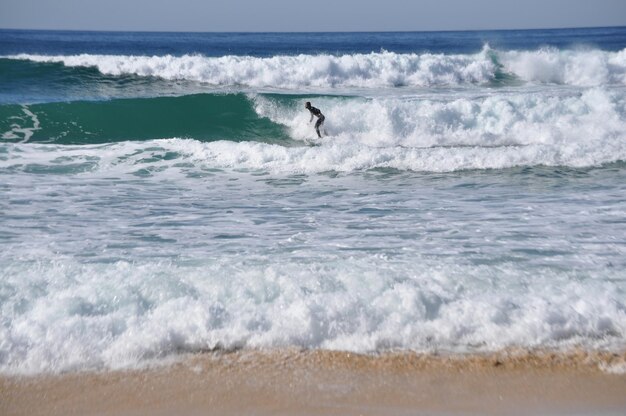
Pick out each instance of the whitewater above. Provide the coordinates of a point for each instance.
(168, 195)
(383, 69)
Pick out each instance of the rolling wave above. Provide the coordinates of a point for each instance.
(594, 116)
(584, 67)
(420, 134)
(205, 117)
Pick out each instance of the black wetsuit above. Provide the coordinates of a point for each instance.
(320, 119)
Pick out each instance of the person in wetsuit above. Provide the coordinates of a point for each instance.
(317, 113)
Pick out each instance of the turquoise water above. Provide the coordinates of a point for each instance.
(165, 193)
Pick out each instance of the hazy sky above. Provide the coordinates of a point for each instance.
(315, 15)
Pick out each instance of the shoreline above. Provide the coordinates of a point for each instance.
(303, 382)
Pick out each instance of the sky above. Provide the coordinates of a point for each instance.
(306, 16)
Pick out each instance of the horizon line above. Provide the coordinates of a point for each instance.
(321, 31)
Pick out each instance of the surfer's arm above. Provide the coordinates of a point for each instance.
(311, 118)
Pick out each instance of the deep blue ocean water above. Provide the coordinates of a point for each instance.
(165, 192)
(271, 44)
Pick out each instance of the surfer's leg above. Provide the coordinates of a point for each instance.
(320, 123)
(317, 126)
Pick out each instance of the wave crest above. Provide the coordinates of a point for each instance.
(373, 70)
(579, 68)
(384, 69)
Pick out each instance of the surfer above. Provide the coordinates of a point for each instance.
(320, 117)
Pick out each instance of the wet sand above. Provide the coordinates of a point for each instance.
(294, 382)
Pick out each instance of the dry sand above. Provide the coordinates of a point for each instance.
(293, 382)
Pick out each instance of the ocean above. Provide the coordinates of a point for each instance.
(164, 194)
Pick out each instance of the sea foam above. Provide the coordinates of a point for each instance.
(61, 315)
(373, 70)
(384, 69)
(518, 119)
(584, 67)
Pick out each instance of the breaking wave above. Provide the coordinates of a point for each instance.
(270, 132)
(588, 67)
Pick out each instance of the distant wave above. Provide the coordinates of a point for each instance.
(373, 70)
(585, 67)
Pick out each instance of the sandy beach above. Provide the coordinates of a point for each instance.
(332, 383)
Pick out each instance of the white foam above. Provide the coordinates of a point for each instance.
(129, 158)
(578, 67)
(384, 69)
(373, 70)
(498, 120)
(61, 315)
(346, 157)
(614, 368)
(23, 134)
